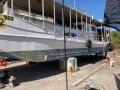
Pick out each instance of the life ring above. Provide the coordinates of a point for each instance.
(89, 43)
(94, 35)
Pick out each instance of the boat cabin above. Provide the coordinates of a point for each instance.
(41, 12)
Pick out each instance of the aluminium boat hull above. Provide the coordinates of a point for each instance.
(24, 40)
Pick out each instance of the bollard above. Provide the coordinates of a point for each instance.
(72, 64)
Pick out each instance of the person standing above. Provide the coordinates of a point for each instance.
(12, 81)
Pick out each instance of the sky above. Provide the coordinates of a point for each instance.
(93, 7)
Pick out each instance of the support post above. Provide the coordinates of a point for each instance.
(62, 64)
(43, 12)
(109, 35)
(101, 32)
(109, 30)
(96, 35)
(76, 20)
(29, 7)
(82, 26)
(63, 22)
(62, 17)
(82, 21)
(5, 8)
(54, 8)
(70, 22)
(12, 7)
(86, 26)
(104, 33)
(90, 29)
(90, 25)
(70, 18)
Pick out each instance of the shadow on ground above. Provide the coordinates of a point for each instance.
(35, 71)
(38, 71)
(84, 60)
(117, 81)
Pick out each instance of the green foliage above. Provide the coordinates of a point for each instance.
(115, 36)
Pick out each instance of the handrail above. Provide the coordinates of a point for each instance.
(33, 15)
(51, 31)
(79, 10)
(45, 20)
(37, 17)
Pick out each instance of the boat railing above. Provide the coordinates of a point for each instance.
(49, 26)
(38, 20)
(33, 15)
(100, 38)
(33, 20)
(74, 8)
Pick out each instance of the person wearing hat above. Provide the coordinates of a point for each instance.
(12, 80)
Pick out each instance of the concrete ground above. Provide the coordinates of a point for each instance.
(105, 79)
(48, 76)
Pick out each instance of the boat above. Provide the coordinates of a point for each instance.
(34, 30)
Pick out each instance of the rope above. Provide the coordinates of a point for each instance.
(66, 74)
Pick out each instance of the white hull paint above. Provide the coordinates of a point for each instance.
(23, 36)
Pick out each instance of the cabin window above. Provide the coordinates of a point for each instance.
(93, 28)
(74, 26)
(80, 27)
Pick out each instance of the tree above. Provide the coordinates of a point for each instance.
(115, 36)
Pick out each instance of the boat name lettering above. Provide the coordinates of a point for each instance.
(72, 34)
